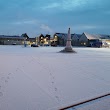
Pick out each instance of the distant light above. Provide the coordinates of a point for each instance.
(45, 40)
(55, 36)
(84, 43)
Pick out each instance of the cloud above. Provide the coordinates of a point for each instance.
(90, 28)
(25, 22)
(52, 5)
(87, 27)
(32, 15)
(107, 12)
(33, 24)
(74, 5)
(67, 4)
(46, 28)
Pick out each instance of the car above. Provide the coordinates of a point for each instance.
(14, 44)
(105, 44)
(34, 45)
(54, 45)
(46, 44)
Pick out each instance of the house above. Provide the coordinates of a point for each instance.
(31, 41)
(105, 39)
(75, 39)
(94, 40)
(11, 40)
(87, 39)
(43, 39)
(60, 38)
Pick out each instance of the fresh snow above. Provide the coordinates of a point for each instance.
(99, 104)
(44, 79)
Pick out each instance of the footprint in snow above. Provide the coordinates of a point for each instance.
(52, 82)
(2, 78)
(8, 77)
(55, 89)
(6, 81)
(1, 94)
(9, 73)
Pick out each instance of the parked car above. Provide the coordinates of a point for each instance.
(46, 44)
(34, 45)
(14, 44)
(97, 44)
(54, 45)
(104, 44)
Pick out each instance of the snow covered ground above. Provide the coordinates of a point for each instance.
(43, 79)
(99, 104)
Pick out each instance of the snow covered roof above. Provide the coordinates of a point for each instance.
(44, 35)
(103, 36)
(61, 34)
(91, 36)
(11, 37)
(76, 35)
(96, 36)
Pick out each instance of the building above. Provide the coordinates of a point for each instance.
(105, 40)
(75, 39)
(31, 41)
(43, 39)
(88, 39)
(60, 39)
(11, 40)
(93, 40)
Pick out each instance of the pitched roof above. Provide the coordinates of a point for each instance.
(62, 35)
(31, 39)
(91, 36)
(77, 35)
(96, 36)
(12, 37)
(103, 36)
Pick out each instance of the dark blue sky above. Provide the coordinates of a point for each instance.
(49, 16)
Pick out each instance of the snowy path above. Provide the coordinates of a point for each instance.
(42, 79)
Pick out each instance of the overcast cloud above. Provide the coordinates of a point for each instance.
(39, 16)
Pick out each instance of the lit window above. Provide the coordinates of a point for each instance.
(45, 40)
(55, 36)
(84, 43)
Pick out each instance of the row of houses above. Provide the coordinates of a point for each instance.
(24, 38)
(11, 40)
(84, 39)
